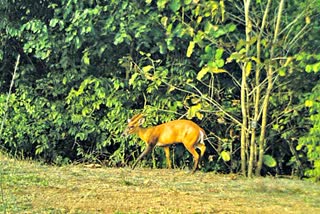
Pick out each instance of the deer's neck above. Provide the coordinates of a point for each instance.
(145, 133)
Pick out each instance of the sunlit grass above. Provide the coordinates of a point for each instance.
(30, 187)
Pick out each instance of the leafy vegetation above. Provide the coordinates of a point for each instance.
(247, 72)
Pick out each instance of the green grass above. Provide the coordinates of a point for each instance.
(29, 187)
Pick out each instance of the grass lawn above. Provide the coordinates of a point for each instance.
(29, 187)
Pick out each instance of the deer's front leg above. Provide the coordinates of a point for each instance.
(144, 153)
(167, 152)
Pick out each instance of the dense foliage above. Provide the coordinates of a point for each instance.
(86, 67)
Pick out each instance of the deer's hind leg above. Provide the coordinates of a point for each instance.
(195, 155)
(167, 152)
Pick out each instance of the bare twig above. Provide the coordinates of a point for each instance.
(9, 93)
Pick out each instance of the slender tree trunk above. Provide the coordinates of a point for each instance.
(244, 100)
(252, 153)
(268, 92)
(244, 126)
(257, 96)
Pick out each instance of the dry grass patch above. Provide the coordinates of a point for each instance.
(29, 187)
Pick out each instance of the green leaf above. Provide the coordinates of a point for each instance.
(211, 69)
(269, 161)
(202, 72)
(147, 68)
(133, 78)
(275, 127)
(64, 80)
(282, 72)
(308, 103)
(162, 48)
(53, 22)
(220, 64)
(190, 48)
(237, 56)
(248, 68)
(225, 155)
(208, 49)
(81, 136)
(219, 53)
(199, 115)
(299, 146)
(85, 58)
(193, 110)
(308, 68)
(164, 21)
(316, 67)
(217, 70)
(41, 148)
(241, 43)
(161, 4)
(232, 27)
(208, 27)
(175, 5)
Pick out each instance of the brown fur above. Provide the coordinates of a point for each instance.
(177, 131)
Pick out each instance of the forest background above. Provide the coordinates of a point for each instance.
(73, 72)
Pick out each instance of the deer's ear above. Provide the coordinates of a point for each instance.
(141, 120)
